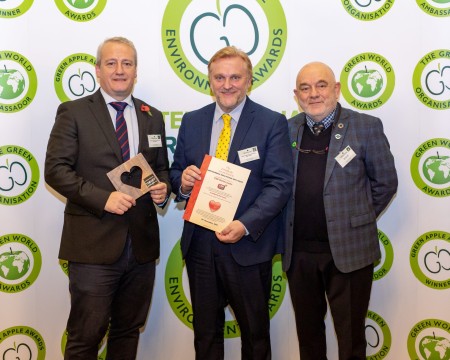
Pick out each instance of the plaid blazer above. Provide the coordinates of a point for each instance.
(354, 195)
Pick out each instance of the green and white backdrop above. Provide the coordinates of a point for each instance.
(393, 60)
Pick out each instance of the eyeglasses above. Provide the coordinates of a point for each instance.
(308, 151)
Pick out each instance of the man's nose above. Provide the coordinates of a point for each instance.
(119, 68)
(314, 92)
(227, 83)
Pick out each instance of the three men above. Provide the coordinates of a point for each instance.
(344, 178)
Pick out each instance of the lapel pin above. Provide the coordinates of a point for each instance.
(337, 136)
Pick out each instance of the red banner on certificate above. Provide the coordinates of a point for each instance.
(215, 199)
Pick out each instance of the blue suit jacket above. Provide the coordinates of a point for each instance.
(269, 185)
(353, 195)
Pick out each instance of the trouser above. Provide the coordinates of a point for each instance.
(314, 278)
(116, 295)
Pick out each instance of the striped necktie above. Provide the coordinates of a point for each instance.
(224, 139)
(121, 129)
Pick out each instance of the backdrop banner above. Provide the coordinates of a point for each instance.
(393, 61)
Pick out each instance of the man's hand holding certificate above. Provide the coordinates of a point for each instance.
(215, 198)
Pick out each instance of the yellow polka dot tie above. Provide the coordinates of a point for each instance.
(224, 139)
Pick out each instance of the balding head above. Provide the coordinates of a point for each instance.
(316, 90)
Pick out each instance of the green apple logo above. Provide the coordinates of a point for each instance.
(435, 348)
(431, 77)
(378, 336)
(209, 25)
(81, 4)
(367, 83)
(81, 10)
(82, 82)
(12, 83)
(209, 28)
(370, 83)
(433, 80)
(14, 264)
(19, 177)
(430, 167)
(15, 8)
(17, 87)
(18, 172)
(433, 260)
(429, 339)
(75, 77)
(21, 352)
(436, 169)
(430, 259)
(30, 344)
(367, 10)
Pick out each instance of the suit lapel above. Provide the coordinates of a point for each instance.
(244, 124)
(296, 133)
(337, 138)
(101, 115)
(206, 129)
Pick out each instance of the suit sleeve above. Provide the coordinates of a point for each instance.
(161, 167)
(380, 168)
(277, 179)
(60, 163)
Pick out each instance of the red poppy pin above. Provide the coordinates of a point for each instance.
(146, 109)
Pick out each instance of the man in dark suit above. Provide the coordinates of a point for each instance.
(344, 178)
(110, 240)
(234, 266)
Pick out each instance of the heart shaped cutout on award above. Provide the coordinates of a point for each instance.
(134, 177)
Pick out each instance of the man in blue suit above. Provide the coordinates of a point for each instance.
(234, 266)
(344, 178)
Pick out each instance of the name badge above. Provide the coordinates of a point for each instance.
(345, 156)
(249, 154)
(154, 141)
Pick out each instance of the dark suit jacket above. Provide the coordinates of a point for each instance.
(268, 187)
(82, 148)
(353, 195)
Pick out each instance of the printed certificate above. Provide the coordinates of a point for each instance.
(214, 199)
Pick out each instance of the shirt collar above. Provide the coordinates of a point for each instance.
(235, 113)
(327, 121)
(108, 98)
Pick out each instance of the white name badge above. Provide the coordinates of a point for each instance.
(249, 154)
(345, 156)
(154, 141)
